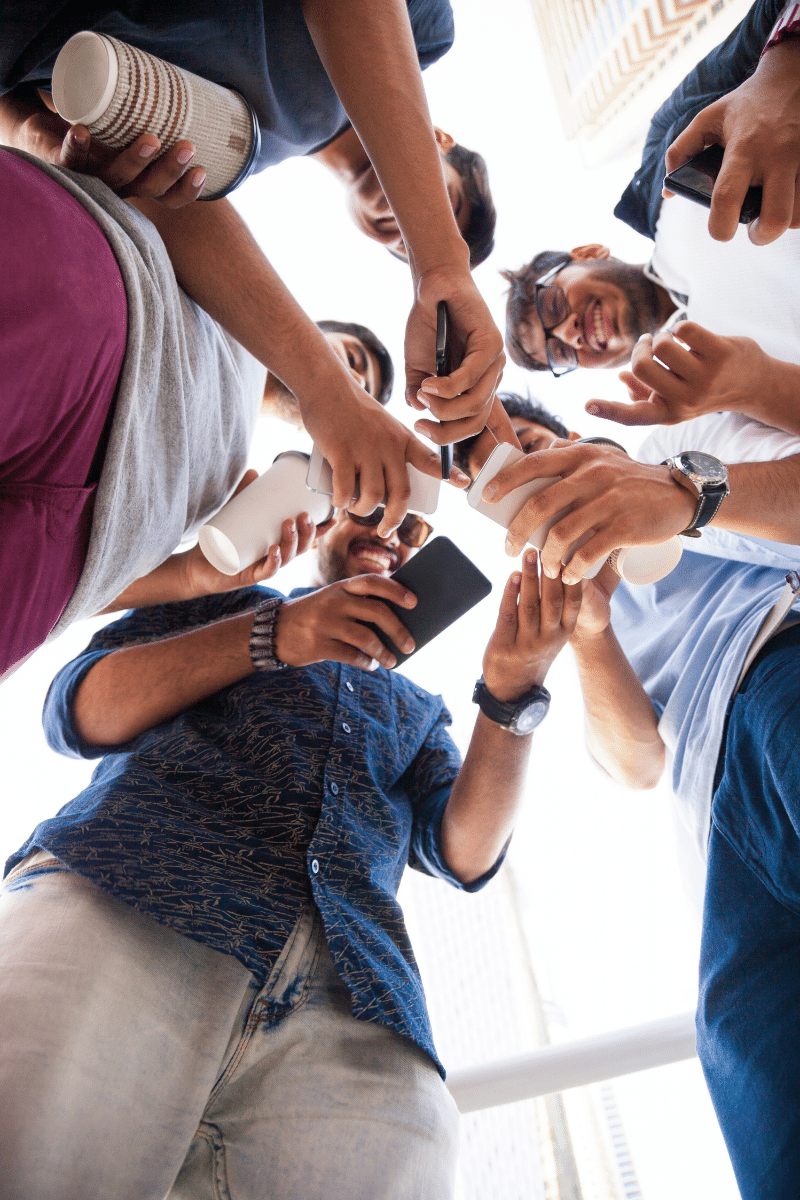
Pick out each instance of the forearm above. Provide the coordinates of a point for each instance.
(220, 265)
(381, 90)
(480, 813)
(168, 583)
(621, 727)
(134, 689)
(777, 400)
(763, 500)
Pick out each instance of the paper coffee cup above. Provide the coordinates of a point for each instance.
(646, 564)
(244, 529)
(120, 92)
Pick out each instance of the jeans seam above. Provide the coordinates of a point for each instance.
(41, 868)
(212, 1134)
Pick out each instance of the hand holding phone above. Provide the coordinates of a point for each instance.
(696, 178)
(444, 365)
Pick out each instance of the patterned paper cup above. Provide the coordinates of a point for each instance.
(120, 92)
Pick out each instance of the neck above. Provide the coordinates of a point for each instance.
(344, 156)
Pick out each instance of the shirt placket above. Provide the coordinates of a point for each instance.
(338, 770)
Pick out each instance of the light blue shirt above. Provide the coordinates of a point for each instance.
(687, 637)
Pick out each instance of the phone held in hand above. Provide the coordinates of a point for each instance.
(444, 365)
(696, 179)
(447, 585)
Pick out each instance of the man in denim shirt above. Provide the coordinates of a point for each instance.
(206, 984)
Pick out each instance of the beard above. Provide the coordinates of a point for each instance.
(641, 314)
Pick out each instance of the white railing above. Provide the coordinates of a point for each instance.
(571, 1064)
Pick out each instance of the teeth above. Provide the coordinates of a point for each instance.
(377, 558)
(599, 331)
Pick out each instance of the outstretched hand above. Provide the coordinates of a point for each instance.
(758, 123)
(535, 621)
(332, 624)
(676, 378)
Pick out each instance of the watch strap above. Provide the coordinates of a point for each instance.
(708, 503)
(503, 712)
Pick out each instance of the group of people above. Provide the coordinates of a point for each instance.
(206, 985)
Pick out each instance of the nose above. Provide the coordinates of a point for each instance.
(569, 331)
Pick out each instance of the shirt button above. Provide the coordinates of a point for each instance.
(315, 866)
(335, 789)
(345, 727)
(349, 686)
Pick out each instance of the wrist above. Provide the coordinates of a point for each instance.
(586, 644)
(434, 265)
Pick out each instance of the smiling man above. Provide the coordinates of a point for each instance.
(361, 351)
(465, 178)
(207, 942)
(582, 309)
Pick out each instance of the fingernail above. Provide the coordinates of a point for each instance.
(373, 664)
(510, 548)
(458, 476)
(420, 428)
(593, 409)
(430, 386)
(489, 492)
(530, 558)
(408, 597)
(80, 138)
(185, 155)
(147, 150)
(516, 579)
(408, 645)
(198, 179)
(642, 338)
(423, 399)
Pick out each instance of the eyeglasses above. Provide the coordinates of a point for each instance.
(412, 530)
(552, 308)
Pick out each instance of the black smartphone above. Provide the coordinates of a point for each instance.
(446, 583)
(444, 365)
(696, 179)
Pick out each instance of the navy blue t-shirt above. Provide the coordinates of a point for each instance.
(321, 781)
(264, 50)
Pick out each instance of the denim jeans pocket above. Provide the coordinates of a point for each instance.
(37, 862)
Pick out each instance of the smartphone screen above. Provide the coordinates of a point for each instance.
(696, 178)
(447, 585)
(444, 365)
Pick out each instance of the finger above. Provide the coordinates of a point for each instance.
(551, 605)
(505, 631)
(545, 507)
(529, 594)
(777, 206)
(636, 390)
(188, 188)
(249, 477)
(701, 132)
(342, 652)
(499, 423)
(423, 458)
(306, 531)
(595, 548)
(266, 568)
(74, 152)
(641, 412)
(288, 542)
(126, 166)
(162, 177)
(542, 465)
(344, 482)
(795, 221)
(366, 612)
(377, 585)
(478, 373)
(727, 198)
(398, 491)
(571, 607)
(683, 363)
(702, 341)
(371, 488)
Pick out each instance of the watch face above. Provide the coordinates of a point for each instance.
(531, 716)
(706, 468)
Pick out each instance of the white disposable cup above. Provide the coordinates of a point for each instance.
(244, 529)
(120, 92)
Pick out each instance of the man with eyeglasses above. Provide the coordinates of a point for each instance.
(206, 984)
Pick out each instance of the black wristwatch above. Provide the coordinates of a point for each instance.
(517, 716)
(707, 477)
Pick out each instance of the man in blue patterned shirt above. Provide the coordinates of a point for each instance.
(206, 985)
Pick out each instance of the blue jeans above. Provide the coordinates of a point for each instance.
(136, 1064)
(748, 1020)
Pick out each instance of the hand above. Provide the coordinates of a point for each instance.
(463, 400)
(204, 580)
(595, 615)
(670, 382)
(368, 450)
(329, 625)
(129, 172)
(535, 621)
(758, 123)
(609, 500)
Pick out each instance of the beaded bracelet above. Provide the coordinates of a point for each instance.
(262, 638)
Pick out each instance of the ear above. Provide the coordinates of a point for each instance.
(593, 250)
(573, 435)
(445, 141)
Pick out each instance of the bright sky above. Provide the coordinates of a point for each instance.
(602, 886)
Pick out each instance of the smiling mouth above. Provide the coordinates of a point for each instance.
(594, 327)
(377, 559)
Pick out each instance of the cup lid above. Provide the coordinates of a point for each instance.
(84, 78)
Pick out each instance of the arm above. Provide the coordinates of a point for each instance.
(621, 726)
(135, 688)
(531, 629)
(384, 98)
(676, 378)
(220, 265)
(616, 501)
(758, 123)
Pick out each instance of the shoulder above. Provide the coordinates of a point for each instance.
(433, 29)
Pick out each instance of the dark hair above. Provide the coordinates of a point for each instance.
(479, 234)
(521, 295)
(515, 406)
(372, 343)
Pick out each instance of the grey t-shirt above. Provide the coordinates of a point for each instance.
(186, 404)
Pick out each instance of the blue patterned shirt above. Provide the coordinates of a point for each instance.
(320, 781)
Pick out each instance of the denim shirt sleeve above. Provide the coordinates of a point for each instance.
(430, 780)
(138, 626)
(722, 70)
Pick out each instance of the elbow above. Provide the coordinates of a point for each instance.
(639, 768)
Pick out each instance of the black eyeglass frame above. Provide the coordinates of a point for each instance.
(565, 351)
(374, 518)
